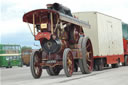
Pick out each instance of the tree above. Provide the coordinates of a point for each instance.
(26, 48)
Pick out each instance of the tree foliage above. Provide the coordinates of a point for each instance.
(26, 48)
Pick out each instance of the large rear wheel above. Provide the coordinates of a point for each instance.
(86, 63)
(35, 61)
(68, 62)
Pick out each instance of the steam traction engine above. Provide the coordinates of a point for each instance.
(63, 42)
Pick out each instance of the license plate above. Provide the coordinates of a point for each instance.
(51, 61)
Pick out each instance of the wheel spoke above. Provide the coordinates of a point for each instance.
(89, 60)
(88, 46)
(88, 56)
(69, 63)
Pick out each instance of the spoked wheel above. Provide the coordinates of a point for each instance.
(86, 63)
(68, 62)
(53, 71)
(35, 61)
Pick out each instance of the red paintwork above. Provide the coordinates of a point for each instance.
(125, 43)
(28, 17)
(42, 35)
(111, 59)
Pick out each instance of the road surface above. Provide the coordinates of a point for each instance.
(22, 76)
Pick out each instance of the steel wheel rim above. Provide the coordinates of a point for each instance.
(89, 55)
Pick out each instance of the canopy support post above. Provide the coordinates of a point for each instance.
(34, 24)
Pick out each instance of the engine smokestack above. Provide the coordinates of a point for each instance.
(60, 8)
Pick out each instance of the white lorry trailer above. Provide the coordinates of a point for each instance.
(106, 36)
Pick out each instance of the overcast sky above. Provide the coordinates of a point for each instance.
(12, 11)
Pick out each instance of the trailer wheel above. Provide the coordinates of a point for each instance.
(126, 60)
(35, 61)
(86, 63)
(68, 62)
(115, 65)
(99, 65)
(53, 71)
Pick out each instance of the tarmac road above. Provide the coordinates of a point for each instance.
(22, 76)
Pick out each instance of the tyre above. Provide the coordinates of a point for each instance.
(86, 63)
(68, 62)
(10, 67)
(53, 71)
(80, 60)
(99, 65)
(21, 64)
(115, 65)
(35, 67)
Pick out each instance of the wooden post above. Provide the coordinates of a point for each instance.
(51, 22)
(34, 24)
(30, 29)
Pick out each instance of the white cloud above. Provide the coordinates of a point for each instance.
(13, 10)
(13, 26)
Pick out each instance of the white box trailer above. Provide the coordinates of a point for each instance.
(106, 35)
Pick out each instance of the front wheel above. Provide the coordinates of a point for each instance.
(35, 61)
(68, 62)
